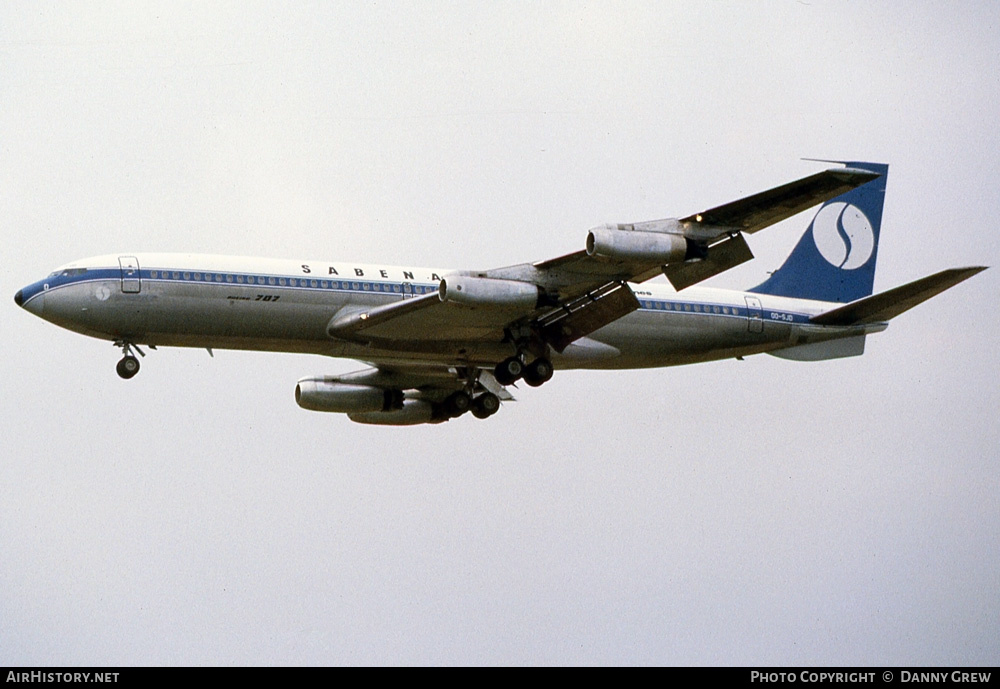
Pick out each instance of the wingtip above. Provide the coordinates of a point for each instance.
(969, 270)
(854, 168)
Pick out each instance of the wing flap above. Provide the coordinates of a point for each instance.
(727, 254)
(584, 315)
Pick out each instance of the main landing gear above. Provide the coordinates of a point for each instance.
(474, 397)
(482, 406)
(486, 405)
(129, 365)
(513, 369)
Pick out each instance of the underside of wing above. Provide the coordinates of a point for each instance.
(423, 319)
(486, 313)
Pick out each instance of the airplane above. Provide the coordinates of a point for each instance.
(442, 343)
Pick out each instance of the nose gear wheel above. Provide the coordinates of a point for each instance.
(128, 366)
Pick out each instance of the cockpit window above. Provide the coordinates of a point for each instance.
(70, 272)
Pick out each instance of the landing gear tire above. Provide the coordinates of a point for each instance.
(538, 371)
(457, 403)
(509, 370)
(486, 405)
(128, 366)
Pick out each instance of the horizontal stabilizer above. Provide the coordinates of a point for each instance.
(882, 307)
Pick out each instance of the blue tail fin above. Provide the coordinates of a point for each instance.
(835, 258)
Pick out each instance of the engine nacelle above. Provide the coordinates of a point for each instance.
(320, 394)
(637, 245)
(411, 413)
(471, 291)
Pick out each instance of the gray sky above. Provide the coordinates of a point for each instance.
(755, 512)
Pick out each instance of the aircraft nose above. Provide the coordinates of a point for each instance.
(31, 298)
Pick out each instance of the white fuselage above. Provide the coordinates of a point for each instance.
(224, 302)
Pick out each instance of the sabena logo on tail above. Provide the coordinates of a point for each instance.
(843, 235)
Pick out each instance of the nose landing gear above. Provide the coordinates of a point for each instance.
(129, 365)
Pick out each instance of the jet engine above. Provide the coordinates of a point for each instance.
(320, 394)
(411, 413)
(472, 291)
(622, 243)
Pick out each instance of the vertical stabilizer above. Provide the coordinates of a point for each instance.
(835, 258)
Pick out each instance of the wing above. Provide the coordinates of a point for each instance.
(713, 240)
(756, 212)
(560, 300)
